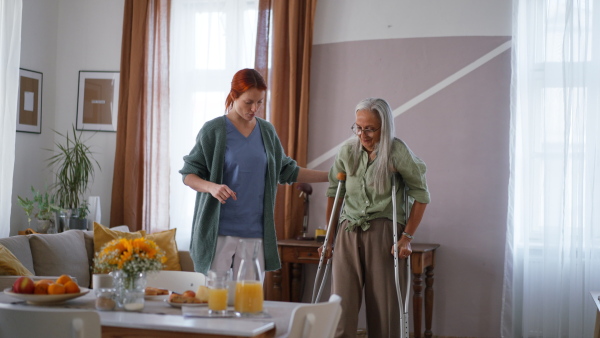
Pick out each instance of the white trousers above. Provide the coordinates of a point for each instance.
(228, 255)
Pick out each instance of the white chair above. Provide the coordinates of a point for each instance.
(178, 281)
(316, 320)
(25, 321)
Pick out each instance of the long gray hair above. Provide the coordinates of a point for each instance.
(383, 165)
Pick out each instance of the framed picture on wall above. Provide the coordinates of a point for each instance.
(29, 107)
(97, 100)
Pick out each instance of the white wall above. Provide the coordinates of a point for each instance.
(38, 53)
(60, 38)
(355, 20)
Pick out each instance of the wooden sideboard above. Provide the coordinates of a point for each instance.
(288, 285)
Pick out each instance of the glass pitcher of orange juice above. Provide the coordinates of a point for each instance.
(249, 289)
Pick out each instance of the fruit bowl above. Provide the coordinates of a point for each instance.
(46, 299)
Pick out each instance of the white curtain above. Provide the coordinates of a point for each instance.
(553, 236)
(210, 41)
(10, 55)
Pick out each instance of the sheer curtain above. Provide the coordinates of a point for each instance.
(210, 41)
(553, 233)
(10, 55)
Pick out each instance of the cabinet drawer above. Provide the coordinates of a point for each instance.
(300, 255)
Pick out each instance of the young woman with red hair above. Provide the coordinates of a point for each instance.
(235, 167)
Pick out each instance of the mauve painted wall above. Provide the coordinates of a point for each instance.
(460, 131)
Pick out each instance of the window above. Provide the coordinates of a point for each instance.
(210, 41)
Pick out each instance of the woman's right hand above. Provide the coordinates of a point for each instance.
(329, 252)
(222, 192)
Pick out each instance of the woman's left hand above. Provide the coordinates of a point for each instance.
(404, 249)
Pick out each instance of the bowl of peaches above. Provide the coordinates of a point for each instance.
(46, 291)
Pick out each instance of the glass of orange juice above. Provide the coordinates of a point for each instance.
(218, 283)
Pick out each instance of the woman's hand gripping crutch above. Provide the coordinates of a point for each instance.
(327, 249)
(402, 300)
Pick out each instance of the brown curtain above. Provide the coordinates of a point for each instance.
(289, 80)
(140, 192)
(293, 23)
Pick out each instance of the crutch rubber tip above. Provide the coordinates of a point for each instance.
(341, 176)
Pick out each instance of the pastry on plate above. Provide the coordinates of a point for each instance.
(202, 293)
(152, 291)
(181, 299)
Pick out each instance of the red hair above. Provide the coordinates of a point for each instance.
(242, 81)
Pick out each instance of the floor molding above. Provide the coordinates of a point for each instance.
(362, 333)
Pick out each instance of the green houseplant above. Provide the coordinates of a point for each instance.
(42, 208)
(74, 166)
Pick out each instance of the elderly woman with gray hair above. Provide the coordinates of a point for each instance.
(363, 259)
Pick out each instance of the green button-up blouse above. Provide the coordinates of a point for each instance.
(362, 203)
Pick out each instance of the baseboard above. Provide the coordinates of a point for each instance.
(362, 333)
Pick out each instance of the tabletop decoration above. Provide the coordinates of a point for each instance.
(128, 261)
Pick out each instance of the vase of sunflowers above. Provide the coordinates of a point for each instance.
(127, 261)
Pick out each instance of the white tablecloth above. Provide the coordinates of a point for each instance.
(277, 312)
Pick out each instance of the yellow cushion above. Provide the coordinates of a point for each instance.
(103, 235)
(10, 265)
(166, 241)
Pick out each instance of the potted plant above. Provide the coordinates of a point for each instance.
(74, 166)
(42, 208)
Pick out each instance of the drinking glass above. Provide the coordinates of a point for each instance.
(104, 291)
(218, 288)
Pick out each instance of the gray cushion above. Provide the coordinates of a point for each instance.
(60, 254)
(89, 246)
(186, 261)
(124, 228)
(19, 246)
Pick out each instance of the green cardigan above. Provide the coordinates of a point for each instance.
(206, 160)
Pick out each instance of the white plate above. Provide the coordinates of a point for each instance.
(185, 304)
(157, 297)
(46, 299)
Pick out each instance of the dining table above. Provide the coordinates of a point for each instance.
(159, 319)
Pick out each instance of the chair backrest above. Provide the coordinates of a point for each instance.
(25, 321)
(177, 281)
(316, 320)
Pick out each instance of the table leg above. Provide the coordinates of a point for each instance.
(428, 301)
(296, 292)
(277, 292)
(417, 303)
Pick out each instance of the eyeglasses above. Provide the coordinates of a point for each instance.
(358, 130)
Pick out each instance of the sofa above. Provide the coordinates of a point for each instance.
(70, 252)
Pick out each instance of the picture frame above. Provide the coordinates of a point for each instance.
(29, 106)
(97, 100)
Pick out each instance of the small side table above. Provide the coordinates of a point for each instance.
(294, 253)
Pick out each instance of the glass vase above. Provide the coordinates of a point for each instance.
(129, 290)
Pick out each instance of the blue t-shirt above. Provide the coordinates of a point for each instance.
(244, 173)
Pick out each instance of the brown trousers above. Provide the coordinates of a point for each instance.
(362, 261)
